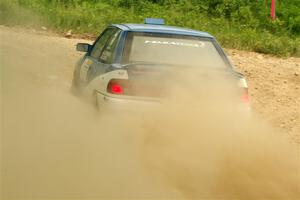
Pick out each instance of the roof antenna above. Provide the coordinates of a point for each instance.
(154, 21)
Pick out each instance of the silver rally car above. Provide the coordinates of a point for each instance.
(129, 64)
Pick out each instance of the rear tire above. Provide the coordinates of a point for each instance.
(95, 100)
(75, 88)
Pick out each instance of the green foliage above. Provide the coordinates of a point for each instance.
(242, 24)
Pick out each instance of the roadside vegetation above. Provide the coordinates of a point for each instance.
(240, 24)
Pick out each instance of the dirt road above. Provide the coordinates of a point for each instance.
(53, 146)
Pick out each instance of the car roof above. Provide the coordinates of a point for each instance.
(161, 29)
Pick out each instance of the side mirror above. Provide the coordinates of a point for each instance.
(84, 47)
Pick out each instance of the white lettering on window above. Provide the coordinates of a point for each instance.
(197, 45)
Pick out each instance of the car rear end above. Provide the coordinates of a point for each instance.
(150, 60)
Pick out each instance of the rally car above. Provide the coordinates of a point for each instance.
(128, 63)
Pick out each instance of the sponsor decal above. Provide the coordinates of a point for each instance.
(88, 62)
(197, 45)
(84, 69)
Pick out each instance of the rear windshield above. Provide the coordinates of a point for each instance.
(172, 50)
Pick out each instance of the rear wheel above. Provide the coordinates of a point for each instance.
(95, 100)
(74, 88)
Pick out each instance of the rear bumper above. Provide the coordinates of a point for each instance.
(123, 104)
(108, 103)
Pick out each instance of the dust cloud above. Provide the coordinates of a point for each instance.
(207, 145)
(200, 143)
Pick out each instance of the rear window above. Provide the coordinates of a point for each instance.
(172, 50)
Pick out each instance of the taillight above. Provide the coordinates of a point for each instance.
(116, 86)
(138, 87)
(245, 96)
(244, 86)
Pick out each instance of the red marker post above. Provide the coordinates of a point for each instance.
(273, 16)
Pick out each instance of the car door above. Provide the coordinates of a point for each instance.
(99, 58)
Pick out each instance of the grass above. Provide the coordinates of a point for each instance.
(91, 17)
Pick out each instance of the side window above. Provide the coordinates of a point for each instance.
(97, 49)
(109, 50)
